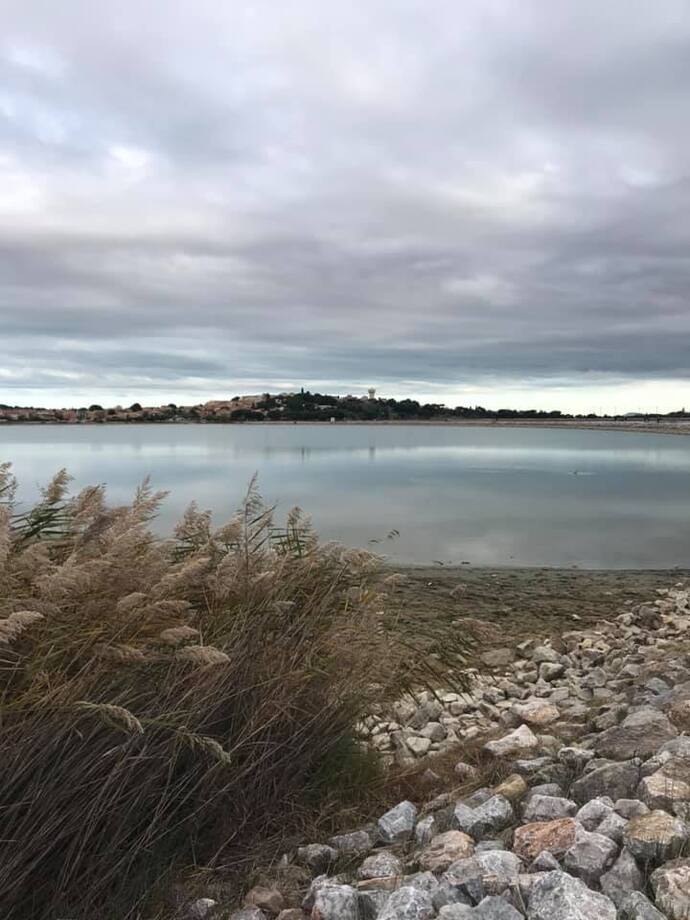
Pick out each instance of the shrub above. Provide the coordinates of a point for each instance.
(167, 702)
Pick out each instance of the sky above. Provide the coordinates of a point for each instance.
(478, 202)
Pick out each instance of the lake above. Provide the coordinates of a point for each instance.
(487, 496)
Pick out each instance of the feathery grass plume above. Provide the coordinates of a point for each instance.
(194, 530)
(186, 578)
(146, 502)
(120, 653)
(202, 744)
(95, 809)
(16, 623)
(202, 655)
(115, 716)
(178, 634)
(133, 601)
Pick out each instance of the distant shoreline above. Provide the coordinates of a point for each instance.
(681, 427)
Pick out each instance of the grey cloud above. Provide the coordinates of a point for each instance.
(198, 197)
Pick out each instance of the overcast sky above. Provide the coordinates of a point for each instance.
(478, 201)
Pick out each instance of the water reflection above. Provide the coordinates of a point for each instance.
(489, 496)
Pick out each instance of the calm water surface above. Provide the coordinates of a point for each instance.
(486, 496)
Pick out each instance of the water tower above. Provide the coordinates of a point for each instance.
(372, 392)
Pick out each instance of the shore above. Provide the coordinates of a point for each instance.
(663, 426)
(520, 603)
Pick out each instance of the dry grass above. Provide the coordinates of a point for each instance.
(169, 703)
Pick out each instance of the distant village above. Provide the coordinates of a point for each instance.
(302, 406)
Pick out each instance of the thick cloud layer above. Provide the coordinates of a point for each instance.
(454, 200)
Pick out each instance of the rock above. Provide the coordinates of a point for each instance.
(553, 836)
(638, 907)
(512, 788)
(321, 881)
(418, 745)
(404, 710)
(536, 712)
(638, 735)
(553, 789)
(464, 878)
(559, 896)
(487, 873)
(291, 913)
(498, 657)
(434, 731)
(671, 886)
(678, 747)
(590, 855)
(494, 815)
(525, 883)
(656, 836)
(495, 908)
(478, 797)
(575, 757)
(398, 824)
(595, 677)
(485, 845)
(267, 899)
(201, 909)
(429, 711)
(545, 653)
(549, 671)
(532, 766)
(622, 878)
(425, 881)
(613, 826)
(547, 808)
(380, 865)
(520, 741)
(444, 850)
(425, 829)
(407, 903)
(544, 862)
(630, 808)
(357, 843)
(617, 780)
(370, 903)
(335, 902)
(457, 912)
(668, 787)
(549, 743)
(463, 818)
(679, 714)
(593, 812)
(317, 856)
(499, 870)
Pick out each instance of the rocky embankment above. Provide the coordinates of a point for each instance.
(591, 820)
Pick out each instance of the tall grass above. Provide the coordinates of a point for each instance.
(167, 702)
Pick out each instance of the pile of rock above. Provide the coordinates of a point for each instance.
(574, 685)
(589, 825)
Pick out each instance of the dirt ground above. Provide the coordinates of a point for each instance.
(524, 602)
